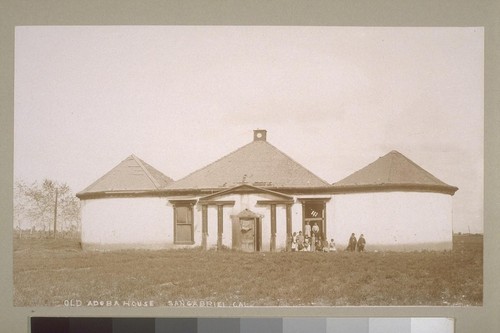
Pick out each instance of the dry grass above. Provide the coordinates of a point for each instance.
(48, 272)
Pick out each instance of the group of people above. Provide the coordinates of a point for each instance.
(300, 242)
(356, 244)
(311, 241)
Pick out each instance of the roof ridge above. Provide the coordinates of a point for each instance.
(210, 164)
(426, 173)
(392, 161)
(103, 176)
(157, 174)
(151, 177)
(259, 142)
(359, 170)
(290, 158)
(148, 174)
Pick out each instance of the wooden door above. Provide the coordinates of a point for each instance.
(248, 232)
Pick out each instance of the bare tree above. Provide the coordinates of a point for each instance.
(48, 207)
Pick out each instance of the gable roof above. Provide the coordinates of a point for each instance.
(132, 175)
(258, 163)
(394, 171)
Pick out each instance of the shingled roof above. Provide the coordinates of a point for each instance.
(258, 163)
(131, 176)
(393, 171)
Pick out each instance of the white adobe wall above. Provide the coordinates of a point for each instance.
(330, 231)
(280, 227)
(212, 226)
(116, 223)
(393, 220)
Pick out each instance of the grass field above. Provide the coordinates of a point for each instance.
(50, 272)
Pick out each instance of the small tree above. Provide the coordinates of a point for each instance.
(49, 206)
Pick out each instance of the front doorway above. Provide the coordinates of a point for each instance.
(314, 218)
(247, 235)
(248, 232)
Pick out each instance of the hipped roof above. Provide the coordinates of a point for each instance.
(258, 163)
(261, 165)
(132, 175)
(393, 171)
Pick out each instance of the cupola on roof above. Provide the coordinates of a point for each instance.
(259, 135)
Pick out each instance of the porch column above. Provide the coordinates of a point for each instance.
(288, 227)
(303, 217)
(220, 226)
(273, 227)
(204, 226)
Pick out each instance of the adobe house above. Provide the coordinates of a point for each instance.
(255, 197)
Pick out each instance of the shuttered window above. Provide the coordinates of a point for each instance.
(183, 227)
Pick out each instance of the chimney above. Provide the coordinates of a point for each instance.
(259, 135)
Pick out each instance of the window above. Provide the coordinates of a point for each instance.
(183, 224)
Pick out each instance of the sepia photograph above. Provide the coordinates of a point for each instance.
(248, 166)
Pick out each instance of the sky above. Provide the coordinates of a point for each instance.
(180, 97)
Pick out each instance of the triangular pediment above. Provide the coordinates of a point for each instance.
(247, 189)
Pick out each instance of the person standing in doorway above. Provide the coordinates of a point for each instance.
(315, 229)
(307, 230)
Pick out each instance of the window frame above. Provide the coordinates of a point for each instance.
(190, 215)
(322, 218)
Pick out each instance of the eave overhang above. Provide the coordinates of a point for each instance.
(119, 194)
(371, 188)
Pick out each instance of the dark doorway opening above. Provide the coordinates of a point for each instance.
(314, 214)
